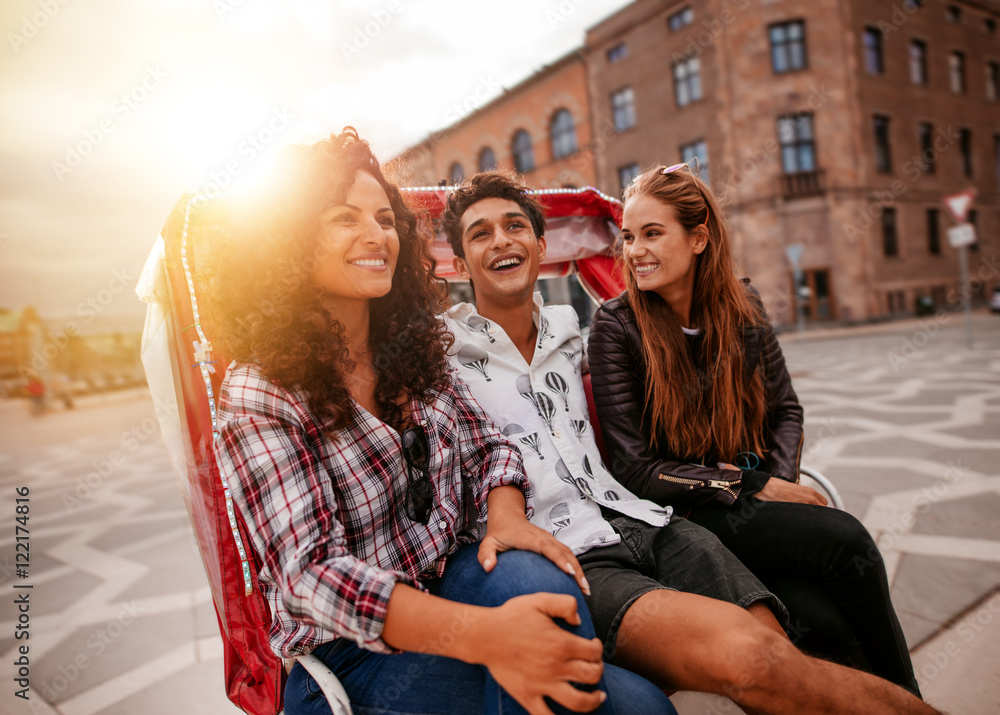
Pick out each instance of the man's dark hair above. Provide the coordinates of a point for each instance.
(488, 185)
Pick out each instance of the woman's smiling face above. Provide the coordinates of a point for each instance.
(358, 246)
(659, 252)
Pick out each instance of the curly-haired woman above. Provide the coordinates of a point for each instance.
(689, 381)
(365, 472)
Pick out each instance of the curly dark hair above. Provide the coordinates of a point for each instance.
(488, 185)
(261, 306)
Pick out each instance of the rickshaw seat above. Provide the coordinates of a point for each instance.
(185, 373)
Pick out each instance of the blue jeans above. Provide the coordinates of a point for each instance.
(414, 683)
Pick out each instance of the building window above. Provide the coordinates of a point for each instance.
(687, 81)
(956, 72)
(883, 156)
(890, 240)
(873, 51)
(934, 231)
(918, 62)
(456, 174)
(617, 53)
(925, 133)
(788, 46)
(695, 154)
(487, 159)
(523, 151)
(798, 145)
(623, 108)
(681, 18)
(965, 146)
(563, 133)
(954, 13)
(993, 80)
(627, 174)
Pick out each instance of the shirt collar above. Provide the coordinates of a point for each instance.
(461, 312)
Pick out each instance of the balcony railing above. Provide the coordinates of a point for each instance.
(802, 183)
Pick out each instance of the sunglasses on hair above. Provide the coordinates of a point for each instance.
(693, 166)
(419, 494)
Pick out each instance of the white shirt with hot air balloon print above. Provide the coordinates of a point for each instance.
(542, 408)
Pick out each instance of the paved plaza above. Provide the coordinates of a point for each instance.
(902, 416)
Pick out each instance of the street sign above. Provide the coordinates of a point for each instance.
(964, 234)
(958, 204)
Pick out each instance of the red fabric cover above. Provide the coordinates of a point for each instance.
(601, 277)
(254, 675)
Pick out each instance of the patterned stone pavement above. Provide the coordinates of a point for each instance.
(901, 416)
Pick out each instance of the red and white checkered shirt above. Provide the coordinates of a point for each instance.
(327, 515)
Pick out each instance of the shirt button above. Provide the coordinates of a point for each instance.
(443, 525)
(558, 433)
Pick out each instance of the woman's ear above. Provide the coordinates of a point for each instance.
(699, 238)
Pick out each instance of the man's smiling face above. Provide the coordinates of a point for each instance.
(502, 253)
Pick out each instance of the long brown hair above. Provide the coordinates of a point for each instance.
(264, 309)
(710, 406)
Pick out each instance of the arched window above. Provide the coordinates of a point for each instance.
(456, 174)
(487, 159)
(563, 133)
(524, 153)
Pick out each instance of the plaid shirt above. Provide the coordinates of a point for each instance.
(327, 515)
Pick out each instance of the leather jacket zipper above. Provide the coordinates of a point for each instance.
(690, 483)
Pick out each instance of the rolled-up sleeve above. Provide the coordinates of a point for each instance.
(268, 450)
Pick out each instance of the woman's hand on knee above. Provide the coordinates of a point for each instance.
(532, 657)
(777, 489)
(507, 534)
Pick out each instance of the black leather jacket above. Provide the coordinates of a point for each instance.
(618, 375)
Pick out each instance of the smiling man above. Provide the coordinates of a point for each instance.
(667, 597)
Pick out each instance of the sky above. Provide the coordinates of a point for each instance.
(111, 109)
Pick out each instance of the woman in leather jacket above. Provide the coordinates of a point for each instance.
(698, 411)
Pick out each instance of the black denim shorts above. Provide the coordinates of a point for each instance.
(679, 557)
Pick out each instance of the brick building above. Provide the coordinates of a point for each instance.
(540, 128)
(834, 126)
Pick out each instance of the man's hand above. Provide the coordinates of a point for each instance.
(777, 489)
(531, 657)
(507, 528)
